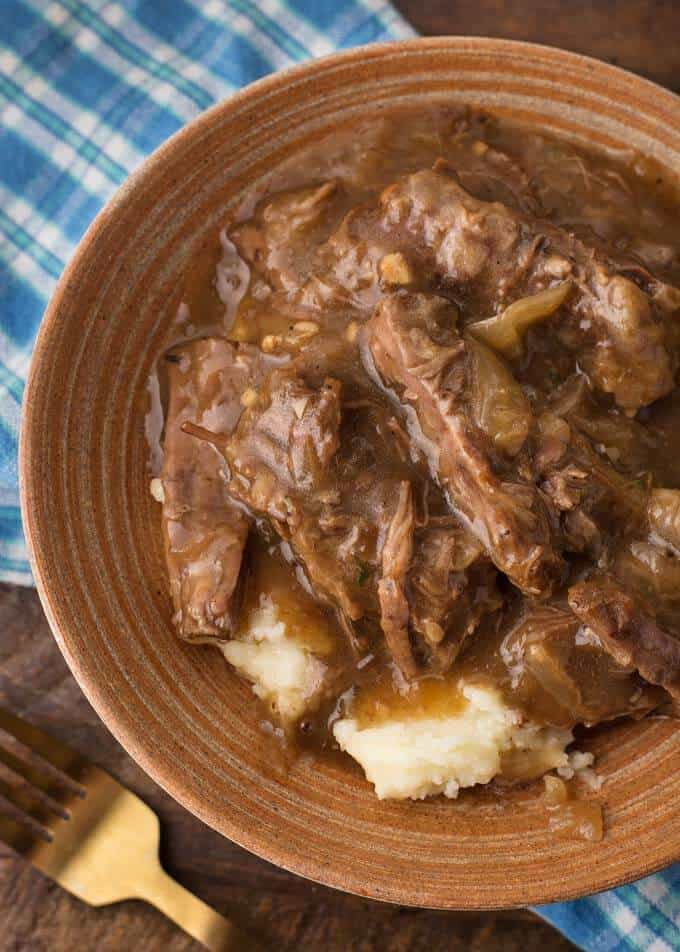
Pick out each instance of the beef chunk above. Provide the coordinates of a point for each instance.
(628, 631)
(396, 560)
(491, 255)
(279, 457)
(625, 442)
(590, 462)
(357, 541)
(566, 677)
(616, 328)
(276, 242)
(493, 175)
(435, 587)
(451, 586)
(588, 492)
(204, 532)
(416, 351)
(290, 432)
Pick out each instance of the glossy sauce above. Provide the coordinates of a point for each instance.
(622, 199)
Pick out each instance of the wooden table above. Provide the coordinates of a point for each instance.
(640, 35)
(290, 913)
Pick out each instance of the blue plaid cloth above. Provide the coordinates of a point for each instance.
(87, 90)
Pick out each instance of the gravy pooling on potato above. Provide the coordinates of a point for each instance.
(422, 396)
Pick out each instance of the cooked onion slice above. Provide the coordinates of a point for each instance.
(499, 405)
(505, 332)
(663, 511)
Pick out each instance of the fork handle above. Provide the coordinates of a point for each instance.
(193, 915)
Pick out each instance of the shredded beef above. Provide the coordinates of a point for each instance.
(417, 352)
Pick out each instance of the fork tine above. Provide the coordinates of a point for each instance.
(56, 754)
(18, 837)
(31, 804)
(37, 778)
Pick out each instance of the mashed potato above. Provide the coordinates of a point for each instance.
(282, 669)
(423, 756)
(409, 752)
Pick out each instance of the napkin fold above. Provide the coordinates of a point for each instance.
(87, 91)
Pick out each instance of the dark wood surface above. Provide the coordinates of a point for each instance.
(288, 912)
(640, 35)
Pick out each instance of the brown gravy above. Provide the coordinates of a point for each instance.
(324, 252)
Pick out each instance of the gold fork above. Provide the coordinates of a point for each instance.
(95, 838)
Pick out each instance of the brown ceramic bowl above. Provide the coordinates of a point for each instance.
(93, 531)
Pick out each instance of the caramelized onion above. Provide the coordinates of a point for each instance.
(506, 331)
(499, 405)
(664, 515)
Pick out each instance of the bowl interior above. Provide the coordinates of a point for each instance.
(96, 544)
